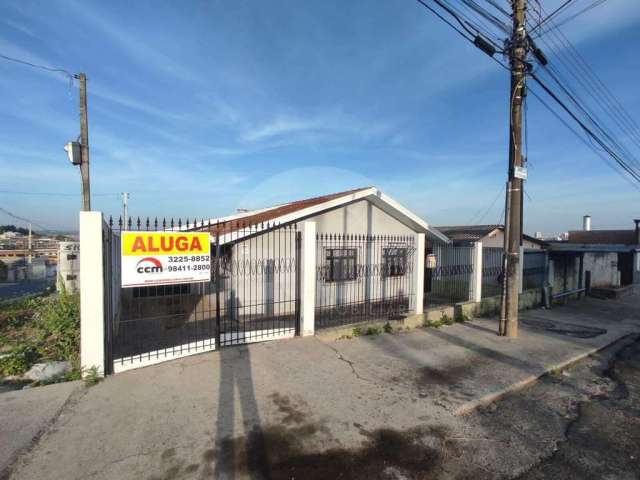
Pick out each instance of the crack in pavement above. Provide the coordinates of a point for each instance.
(347, 361)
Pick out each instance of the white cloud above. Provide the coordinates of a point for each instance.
(324, 126)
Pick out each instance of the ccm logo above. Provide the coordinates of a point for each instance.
(149, 265)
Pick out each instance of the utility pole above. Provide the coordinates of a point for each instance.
(125, 207)
(513, 212)
(84, 143)
(30, 247)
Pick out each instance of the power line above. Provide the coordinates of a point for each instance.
(591, 134)
(575, 15)
(441, 17)
(555, 12)
(473, 220)
(22, 219)
(583, 140)
(41, 67)
(587, 130)
(55, 194)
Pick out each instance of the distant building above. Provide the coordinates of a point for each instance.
(597, 258)
(489, 235)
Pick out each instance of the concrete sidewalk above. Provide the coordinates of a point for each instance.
(306, 408)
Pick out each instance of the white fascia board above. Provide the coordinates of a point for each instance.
(411, 218)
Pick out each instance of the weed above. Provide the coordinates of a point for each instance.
(387, 328)
(446, 319)
(433, 323)
(462, 317)
(92, 376)
(39, 328)
(19, 360)
(359, 331)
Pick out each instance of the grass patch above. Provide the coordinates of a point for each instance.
(359, 331)
(433, 323)
(35, 329)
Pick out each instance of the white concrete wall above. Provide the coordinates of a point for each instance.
(259, 292)
(92, 292)
(603, 267)
(362, 218)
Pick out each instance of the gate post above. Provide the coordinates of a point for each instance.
(476, 281)
(308, 279)
(418, 276)
(92, 321)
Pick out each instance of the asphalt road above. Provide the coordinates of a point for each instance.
(581, 423)
(14, 290)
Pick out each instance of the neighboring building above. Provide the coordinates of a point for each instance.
(596, 258)
(491, 236)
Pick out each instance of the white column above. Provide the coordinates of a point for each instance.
(91, 292)
(418, 273)
(521, 269)
(308, 279)
(476, 282)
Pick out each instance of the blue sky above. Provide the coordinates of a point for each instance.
(198, 108)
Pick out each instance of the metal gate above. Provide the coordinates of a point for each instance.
(363, 277)
(252, 295)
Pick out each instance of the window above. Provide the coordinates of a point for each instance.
(342, 264)
(162, 290)
(395, 261)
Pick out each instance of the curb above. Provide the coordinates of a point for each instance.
(490, 398)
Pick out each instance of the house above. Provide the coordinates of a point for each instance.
(309, 264)
(491, 236)
(596, 258)
(365, 246)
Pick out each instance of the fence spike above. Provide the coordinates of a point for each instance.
(110, 221)
(147, 225)
(138, 223)
(179, 224)
(172, 224)
(164, 223)
(155, 224)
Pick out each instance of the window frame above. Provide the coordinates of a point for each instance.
(162, 291)
(330, 258)
(390, 270)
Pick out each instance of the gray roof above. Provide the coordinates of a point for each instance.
(468, 233)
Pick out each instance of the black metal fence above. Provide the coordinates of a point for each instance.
(252, 294)
(534, 270)
(363, 277)
(492, 265)
(448, 278)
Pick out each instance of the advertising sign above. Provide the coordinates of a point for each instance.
(163, 258)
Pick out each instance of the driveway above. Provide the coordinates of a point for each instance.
(387, 406)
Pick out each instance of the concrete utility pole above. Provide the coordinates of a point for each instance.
(513, 212)
(84, 143)
(30, 247)
(125, 207)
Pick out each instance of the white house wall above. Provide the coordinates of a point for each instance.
(265, 291)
